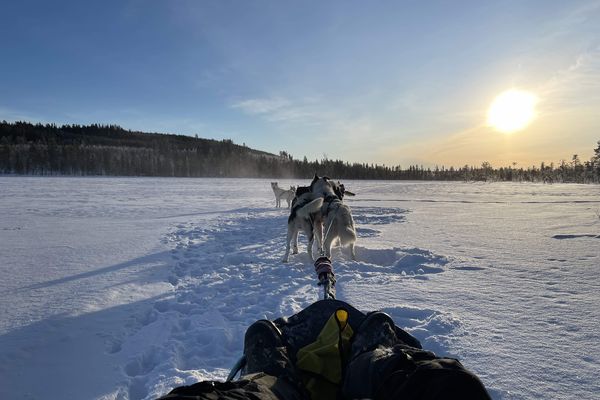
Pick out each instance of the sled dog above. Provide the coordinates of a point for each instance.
(287, 195)
(305, 217)
(337, 217)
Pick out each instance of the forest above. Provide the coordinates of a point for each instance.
(109, 150)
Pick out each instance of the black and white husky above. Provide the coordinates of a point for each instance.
(305, 217)
(287, 195)
(337, 217)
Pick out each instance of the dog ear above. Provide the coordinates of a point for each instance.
(315, 179)
(349, 193)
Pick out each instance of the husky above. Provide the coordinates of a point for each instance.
(306, 217)
(337, 217)
(287, 195)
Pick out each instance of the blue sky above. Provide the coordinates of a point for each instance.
(395, 82)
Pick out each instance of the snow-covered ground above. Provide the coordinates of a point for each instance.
(121, 288)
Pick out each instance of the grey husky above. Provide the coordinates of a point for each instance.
(305, 217)
(287, 195)
(337, 217)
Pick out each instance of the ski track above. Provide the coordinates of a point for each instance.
(227, 273)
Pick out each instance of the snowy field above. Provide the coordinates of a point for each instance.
(121, 288)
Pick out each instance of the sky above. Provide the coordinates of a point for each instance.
(387, 82)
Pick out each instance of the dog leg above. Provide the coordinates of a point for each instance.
(348, 239)
(318, 231)
(295, 242)
(286, 256)
(288, 240)
(311, 242)
(352, 252)
(287, 245)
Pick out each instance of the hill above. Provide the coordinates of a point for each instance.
(95, 149)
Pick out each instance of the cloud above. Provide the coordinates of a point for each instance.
(261, 106)
(267, 106)
(10, 114)
(573, 20)
(279, 109)
(576, 86)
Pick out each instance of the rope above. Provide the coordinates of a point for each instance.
(324, 271)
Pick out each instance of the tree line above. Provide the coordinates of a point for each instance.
(37, 149)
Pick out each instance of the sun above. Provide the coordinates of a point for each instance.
(512, 110)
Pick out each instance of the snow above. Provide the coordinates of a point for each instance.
(122, 288)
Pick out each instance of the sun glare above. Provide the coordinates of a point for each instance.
(512, 110)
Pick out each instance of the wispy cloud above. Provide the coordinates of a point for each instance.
(265, 106)
(10, 114)
(6, 114)
(573, 20)
(278, 109)
(578, 85)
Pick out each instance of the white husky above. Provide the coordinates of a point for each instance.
(338, 222)
(287, 195)
(305, 217)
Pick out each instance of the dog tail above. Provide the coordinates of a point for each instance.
(310, 208)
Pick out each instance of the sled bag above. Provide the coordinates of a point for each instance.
(322, 362)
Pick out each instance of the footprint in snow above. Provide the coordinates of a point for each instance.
(398, 261)
(366, 232)
(433, 328)
(378, 215)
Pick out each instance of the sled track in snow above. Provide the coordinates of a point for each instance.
(227, 273)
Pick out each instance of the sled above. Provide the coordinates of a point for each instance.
(301, 329)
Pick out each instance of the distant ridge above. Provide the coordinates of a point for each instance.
(107, 135)
(110, 150)
(97, 149)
